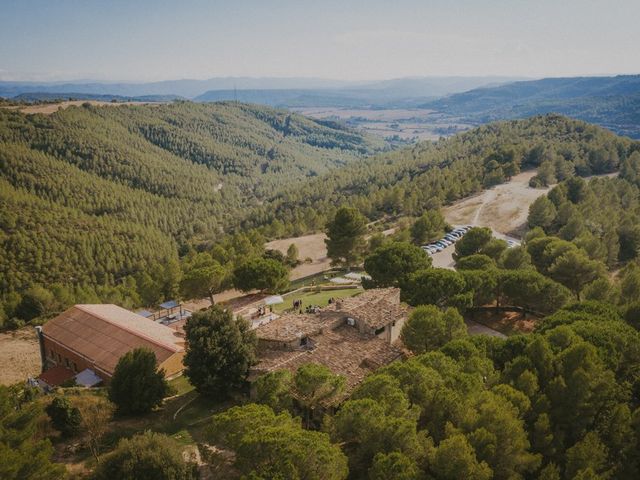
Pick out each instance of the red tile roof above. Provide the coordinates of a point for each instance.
(103, 333)
(56, 376)
(344, 350)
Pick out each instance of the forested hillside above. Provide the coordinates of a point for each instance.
(93, 194)
(612, 102)
(99, 204)
(429, 174)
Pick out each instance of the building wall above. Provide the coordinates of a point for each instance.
(263, 343)
(56, 354)
(389, 333)
(394, 330)
(173, 365)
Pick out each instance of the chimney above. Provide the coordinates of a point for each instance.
(43, 356)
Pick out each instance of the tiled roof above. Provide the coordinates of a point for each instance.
(343, 350)
(290, 326)
(56, 376)
(375, 308)
(103, 333)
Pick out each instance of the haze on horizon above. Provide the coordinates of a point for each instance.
(363, 40)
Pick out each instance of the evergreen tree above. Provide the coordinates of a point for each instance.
(137, 386)
(220, 351)
(345, 237)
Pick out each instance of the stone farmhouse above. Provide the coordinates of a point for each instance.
(352, 336)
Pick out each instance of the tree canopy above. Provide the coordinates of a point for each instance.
(137, 386)
(220, 350)
(345, 237)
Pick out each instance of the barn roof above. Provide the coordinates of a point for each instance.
(103, 333)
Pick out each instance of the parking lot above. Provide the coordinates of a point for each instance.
(443, 257)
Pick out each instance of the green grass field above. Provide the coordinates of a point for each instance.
(181, 385)
(315, 298)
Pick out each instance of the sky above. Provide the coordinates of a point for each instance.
(148, 40)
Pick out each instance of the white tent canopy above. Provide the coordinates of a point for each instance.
(87, 378)
(357, 276)
(273, 300)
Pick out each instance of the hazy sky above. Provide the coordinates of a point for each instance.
(353, 40)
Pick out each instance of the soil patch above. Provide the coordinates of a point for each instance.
(309, 247)
(19, 355)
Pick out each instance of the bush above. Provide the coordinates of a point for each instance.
(65, 418)
(147, 456)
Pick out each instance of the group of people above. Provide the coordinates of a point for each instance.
(262, 311)
(297, 305)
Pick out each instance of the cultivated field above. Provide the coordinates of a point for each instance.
(406, 123)
(19, 355)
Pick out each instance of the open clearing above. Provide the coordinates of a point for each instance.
(309, 247)
(504, 208)
(19, 355)
(49, 108)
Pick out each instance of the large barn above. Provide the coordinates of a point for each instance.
(94, 337)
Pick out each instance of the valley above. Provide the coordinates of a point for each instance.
(399, 124)
(319, 240)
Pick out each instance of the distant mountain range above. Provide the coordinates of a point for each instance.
(271, 91)
(612, 102)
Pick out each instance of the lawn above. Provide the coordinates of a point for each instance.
(181, 385)
(315, 298)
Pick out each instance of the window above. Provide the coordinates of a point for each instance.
(74, 367)
(66, 362)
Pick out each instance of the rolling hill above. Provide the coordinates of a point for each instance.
(98, 197)
(612, 102)
(91, 194)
